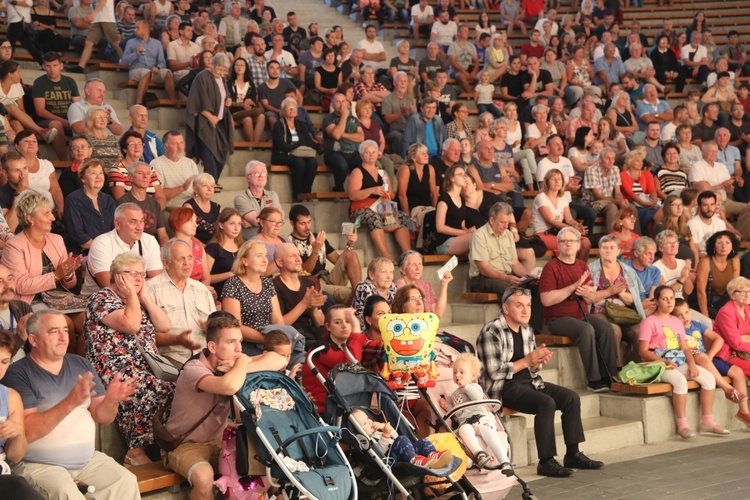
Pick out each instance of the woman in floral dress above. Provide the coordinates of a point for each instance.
(118, 320)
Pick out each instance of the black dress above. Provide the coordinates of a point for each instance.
(223, 261)
(455, 216)
(418, 191)
(206, 221)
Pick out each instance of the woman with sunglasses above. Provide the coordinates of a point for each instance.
(121, 323)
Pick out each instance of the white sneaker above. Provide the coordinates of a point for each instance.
(49, 134)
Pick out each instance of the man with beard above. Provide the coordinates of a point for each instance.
(257, 62)
(272, 92)
(707, 221)
(154, 223)
(13, 313)
(294, 33)
(175, 171)
(16, 171)
(314, 250)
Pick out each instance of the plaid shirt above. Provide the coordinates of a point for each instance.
(495, 349)
(595, 178)
(257, 70)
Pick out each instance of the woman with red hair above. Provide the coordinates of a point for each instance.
(184, 223)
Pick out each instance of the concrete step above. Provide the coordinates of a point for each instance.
(657, 415)
(465, 312)
(589, 402)
(602, 434)
(465, 331)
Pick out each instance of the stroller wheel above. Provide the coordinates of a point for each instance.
(528, 496)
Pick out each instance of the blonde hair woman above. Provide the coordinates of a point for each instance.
(379, 282)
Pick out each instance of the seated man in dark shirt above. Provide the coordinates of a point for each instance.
(299, 297)
(16, 172)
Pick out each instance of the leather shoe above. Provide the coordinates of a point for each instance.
(581, 461)
(552, 468)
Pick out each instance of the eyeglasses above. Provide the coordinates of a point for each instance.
(742, 292)
(274, 222)
(671, 244)
(80, 148)
(258, 174)
(416, 300)
(6, 47)
(569, 242)
(515, 290)
(135, 144)
(135, 274)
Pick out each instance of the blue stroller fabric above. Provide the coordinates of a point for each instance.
(292, 434)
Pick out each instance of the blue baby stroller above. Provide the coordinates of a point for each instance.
(351, 387)
(301, 453)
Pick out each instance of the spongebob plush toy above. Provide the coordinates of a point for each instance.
(408, 340)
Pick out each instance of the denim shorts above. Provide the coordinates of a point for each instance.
(443, 249)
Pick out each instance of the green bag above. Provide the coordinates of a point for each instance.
(622, 315)
(642, 373)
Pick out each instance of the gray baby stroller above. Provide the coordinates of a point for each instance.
(351, 387)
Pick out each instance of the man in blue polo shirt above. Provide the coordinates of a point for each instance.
(642, 260)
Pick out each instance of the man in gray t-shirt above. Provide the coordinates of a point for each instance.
(397, 107)
(64, 399)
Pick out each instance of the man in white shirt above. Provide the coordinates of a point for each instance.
(551, 17)
(422, 18)
(374, 52)
(681, 116)
(444, 31)
(180, 52)
(694, 58)
(127, 236)
(707, 221)
(93, 95)
(175, 171)
(285, 58)
(710, 175)
(187, 303)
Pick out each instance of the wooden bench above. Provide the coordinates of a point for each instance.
(548, 339)
(154, 476)
(441, 259)
(480, 297)
(324, 196)
(653, 389)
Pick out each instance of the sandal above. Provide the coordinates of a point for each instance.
(733, 395)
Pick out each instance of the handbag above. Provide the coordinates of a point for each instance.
(28, 28)
(743, 355)
(303, 152)
(642, 373)
(160, 367)
(164, 439)
(622, 315)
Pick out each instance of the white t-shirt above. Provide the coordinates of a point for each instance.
(172, 174)
(541, 200)
(533, 131)
(107, 14)
(14, 94)
(702, 171)
(39, 181)
(671, 275)
(702, 232)
(667, 132)
(374, 47)
(700, 53)
(539, 26)
(599, 52)
(563, 165)
(444, 33)
(421, 15)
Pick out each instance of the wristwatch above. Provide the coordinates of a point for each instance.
(492, 185)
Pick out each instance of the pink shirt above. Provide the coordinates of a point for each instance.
(662, 333)
(731, 326)
(430, 299)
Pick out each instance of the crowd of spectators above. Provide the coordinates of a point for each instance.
(592, 122)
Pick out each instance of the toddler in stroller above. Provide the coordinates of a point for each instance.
(476, 419)
(422, 452)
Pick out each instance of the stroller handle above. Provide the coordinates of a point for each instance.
(496, 406)
(311, 365)
(308, 432)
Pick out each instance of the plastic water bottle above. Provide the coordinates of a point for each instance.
(281, 63)
(85, 488)
(384, 175)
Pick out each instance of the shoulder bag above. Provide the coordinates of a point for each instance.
(164, 439)
(160, 367)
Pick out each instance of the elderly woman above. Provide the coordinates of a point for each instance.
(294, 147)
(131, 148)
(206, 211)
(104, 143)
(221, 251)
(624, 229)
(411, 266)
(379, 282)
(271, 219)
(403, 62)
(556, 70)
(80, 150)
(417, 186)
(538, 132)
(367, 191)
(733, 325)
(621, 114)
(671, 180)
(580, 75)
(639, 188)
(551, 213)
(369, 89)
(41, 173)
(90, 212)
(121, 324)
(715, 271)
(689, 152)
(675, 272)
(250, 297)
(617, 283)
(209, 127)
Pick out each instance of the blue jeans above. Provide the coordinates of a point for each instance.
(490, 108)
(587, 214)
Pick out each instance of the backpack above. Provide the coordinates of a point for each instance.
(642, 373)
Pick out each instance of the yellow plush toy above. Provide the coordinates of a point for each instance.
(447, 441)
(408, 340)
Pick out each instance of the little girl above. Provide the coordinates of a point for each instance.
(483, 93)
(595, 151)
(476, 419)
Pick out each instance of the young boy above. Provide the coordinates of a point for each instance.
(422, 452)
(278, 342)
(695, 333)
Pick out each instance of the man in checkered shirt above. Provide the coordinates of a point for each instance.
(512, 361)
